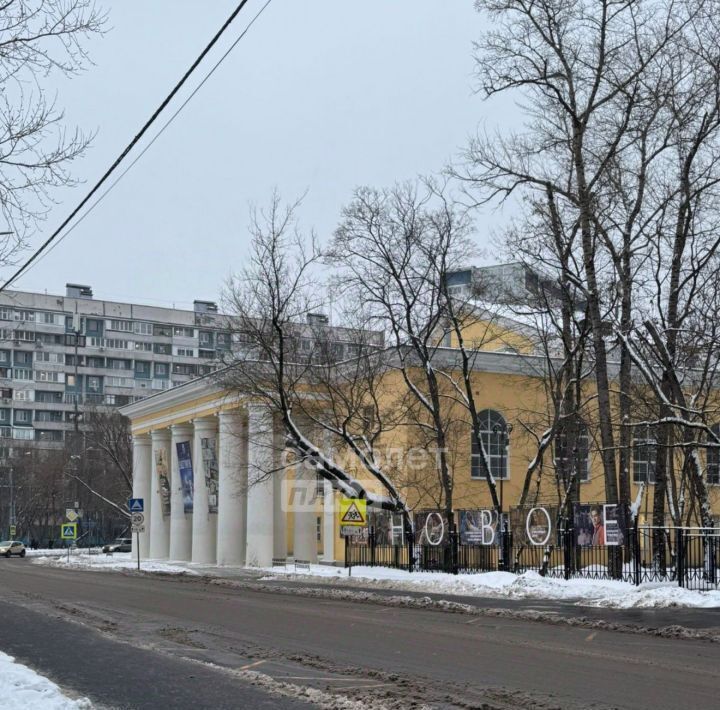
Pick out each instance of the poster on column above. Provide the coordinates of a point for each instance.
(161, 468)
(209, 458)
(186, 474)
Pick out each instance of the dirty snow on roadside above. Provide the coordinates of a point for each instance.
(21, 688)
(504, 585)
(118, 561)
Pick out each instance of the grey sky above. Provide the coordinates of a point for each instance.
(321, 95)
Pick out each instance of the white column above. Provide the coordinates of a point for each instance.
(204, 530)
(328, 523)
(280, 538)
(261, 487)
(159, 522)
(232, 488)
(142, 473)
(180, 521)
(305, 516)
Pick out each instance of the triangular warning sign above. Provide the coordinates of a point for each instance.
(352, 515)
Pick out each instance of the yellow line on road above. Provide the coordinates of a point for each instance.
(251, 665)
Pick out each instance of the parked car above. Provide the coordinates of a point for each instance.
(122, 544)
(12, 547)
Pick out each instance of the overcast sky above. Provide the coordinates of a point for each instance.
(321, 95)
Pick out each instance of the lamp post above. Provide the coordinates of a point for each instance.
(503, 429)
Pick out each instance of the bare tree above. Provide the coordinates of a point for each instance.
(293, 366)
(616, 96)
(39, 39)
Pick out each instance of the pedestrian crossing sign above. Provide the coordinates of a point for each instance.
(68, 531)
(353, 511)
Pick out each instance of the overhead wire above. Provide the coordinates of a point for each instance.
(155, 115)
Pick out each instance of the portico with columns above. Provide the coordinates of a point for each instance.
(234, 507)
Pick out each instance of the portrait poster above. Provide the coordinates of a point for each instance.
(210, 464)
(185, 468)
(431, 528)
(161, 469)
(478, 527)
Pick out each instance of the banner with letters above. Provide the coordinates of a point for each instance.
(478, 527)
(534, 525)
(185, 468)
(209, 459)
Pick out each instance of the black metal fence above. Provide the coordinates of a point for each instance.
(689, 557)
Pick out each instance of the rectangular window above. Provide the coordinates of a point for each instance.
(164, 331)
(41, 416)
(23, 416)
(48, 435)
(96, 361)
(183, 332)
(22, 358)
(143, 346)
(142, 368)
(54, 358)
(27, 316)
(26, 336)
(222, 341)
(125, 326)
(185, 352)
(644, 456)
(116, 343)
(206, 338)
(119, 382)
(162, 369)
(45, 376)
(26, 434)
(143, 328)
(119, 364)
(6, 314)
(182, 369)
(94, 384)
(162, 349)
(161, 384)
(22, 373)
(48, 397)
(23, 395)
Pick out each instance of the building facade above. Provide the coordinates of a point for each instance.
(61, 354)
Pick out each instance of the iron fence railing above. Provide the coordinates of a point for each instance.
(688, 557)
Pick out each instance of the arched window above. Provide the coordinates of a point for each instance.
(713, 459)
(644, 454)
(572, 450)
(494, 435)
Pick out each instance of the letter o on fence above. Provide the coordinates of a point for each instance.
(530, 535)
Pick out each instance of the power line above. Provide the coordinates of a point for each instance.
(151, 143)
(130, 145)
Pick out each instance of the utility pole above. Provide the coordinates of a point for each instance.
(12, 496)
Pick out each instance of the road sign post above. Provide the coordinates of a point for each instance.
(68, 531)
(13, 532)
(136, 506)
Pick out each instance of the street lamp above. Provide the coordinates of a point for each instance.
(505, 430)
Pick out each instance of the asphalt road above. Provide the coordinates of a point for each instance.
(151, 632)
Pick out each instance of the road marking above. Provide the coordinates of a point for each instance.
(251, 665)
(591, 636)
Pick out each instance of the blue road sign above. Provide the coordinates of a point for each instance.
(136, 505)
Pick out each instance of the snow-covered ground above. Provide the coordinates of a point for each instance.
(499, 585)
(504, 585)
(21, 688)
(81, 559)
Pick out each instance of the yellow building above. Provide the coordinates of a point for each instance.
(219, 487)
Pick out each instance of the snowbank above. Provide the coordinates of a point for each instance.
(118, 561)
(504, 585)
(23, 689)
